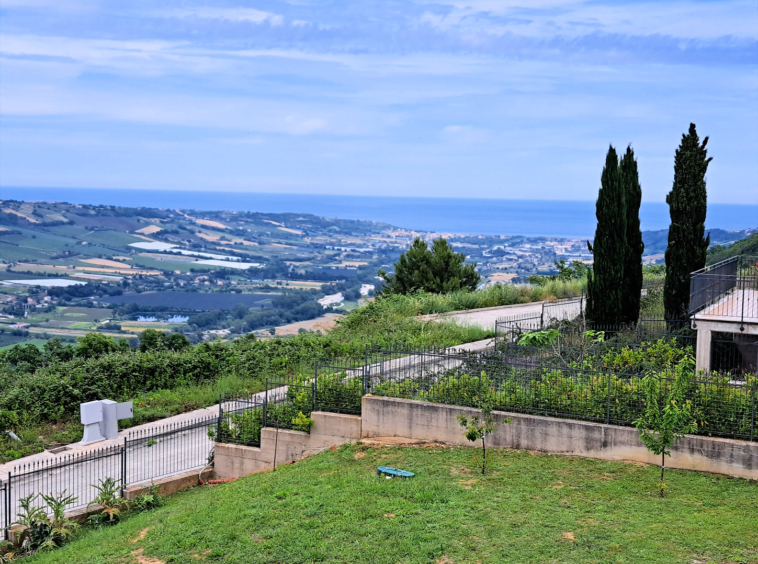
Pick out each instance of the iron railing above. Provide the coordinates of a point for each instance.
(143, 456)
(722, 406)
(726, 291)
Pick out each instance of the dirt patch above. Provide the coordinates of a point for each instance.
(444, 560)
(204, 554)
(103, 262)
(389, 515)
(359, 455)
(461, 470)
(149, 230)
(209, 223)
(145, 559)
(590, 521)
(467, 483)
(568, 536)
(141, 535)
(322, 324)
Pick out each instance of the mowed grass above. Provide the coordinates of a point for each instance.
(528, 508)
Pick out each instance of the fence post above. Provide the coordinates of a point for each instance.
(608, 408)
(365, 374)
(314, 388)
(752, 411)
(8, 497)
(265, 402)
(123, 467)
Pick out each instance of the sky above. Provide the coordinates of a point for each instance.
(476, 99)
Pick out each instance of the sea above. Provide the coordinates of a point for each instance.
(553, 218)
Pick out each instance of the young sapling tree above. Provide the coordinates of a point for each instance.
(667, 418)
(479, 426)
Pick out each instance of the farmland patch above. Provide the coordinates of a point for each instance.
(198, 301)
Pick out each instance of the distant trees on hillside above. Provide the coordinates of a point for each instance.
(687, 242)
(436, 270)
(615, 282)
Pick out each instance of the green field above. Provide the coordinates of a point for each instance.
(8, 341)
(75, 314)
(110, 239)
(527, 508)
(171, 265)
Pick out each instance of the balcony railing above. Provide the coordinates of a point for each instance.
(726, 291)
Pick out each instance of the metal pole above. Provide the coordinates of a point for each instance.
(220, 416)
(8, 497)
(314, 387)
(743, 283)
(752, 413)
(123, 467)
(608, 408)
(365, 374)
(265, 403)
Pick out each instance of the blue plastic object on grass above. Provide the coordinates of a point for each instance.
(393, 472)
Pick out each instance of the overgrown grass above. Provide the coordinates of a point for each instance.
(495, 295)
(528, 508)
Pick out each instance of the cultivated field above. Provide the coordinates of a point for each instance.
(205, 301)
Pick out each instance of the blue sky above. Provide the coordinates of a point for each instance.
(481, 98)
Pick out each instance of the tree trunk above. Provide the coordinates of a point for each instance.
(484, 456)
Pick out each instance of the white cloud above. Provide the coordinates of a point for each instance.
(576, 18)
(229, 14)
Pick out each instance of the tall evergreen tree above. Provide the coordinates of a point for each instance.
(605, 283)
(632, 289)
(437, 270)
(687, 244)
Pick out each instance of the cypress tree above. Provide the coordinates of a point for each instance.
(634, 245)
(687, 243)
(605, 282)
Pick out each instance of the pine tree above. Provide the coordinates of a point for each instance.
(687, 243)
(632, 288)
(606, 280)
(437, 270)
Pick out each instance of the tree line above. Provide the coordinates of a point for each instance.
(614, 283)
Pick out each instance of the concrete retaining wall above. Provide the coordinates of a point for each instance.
(390, 417)
(329, 429)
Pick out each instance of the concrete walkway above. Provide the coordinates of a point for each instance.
(486, 317)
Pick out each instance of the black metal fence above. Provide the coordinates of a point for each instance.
(727, 290)
(240, 421)
(531, 383)
(5, 507)
(170, 449)
(142, 456)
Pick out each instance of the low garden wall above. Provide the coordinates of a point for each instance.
(433, 422)
(384, 417)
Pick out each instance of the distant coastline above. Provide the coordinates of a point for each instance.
(452, 215)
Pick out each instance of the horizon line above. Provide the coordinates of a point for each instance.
(202, 190)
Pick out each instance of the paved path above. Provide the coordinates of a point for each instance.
(486, 317)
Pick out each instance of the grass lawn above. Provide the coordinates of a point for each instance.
(528, 508)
